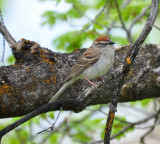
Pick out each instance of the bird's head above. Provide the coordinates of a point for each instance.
(102, 41)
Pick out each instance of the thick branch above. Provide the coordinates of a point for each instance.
(38, 74)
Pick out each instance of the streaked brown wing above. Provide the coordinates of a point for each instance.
(89, 57)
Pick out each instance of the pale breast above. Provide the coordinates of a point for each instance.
(99, 68)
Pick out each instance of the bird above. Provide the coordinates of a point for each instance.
(94, 62)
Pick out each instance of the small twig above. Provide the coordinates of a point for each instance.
(143, 12)
(115, 117)
(4, 31)
(95, 19)
(151, 129)
(120, 16)
(108, 29)
(69, 135)
(131, 125)
(45, 108)
(52, 127)
(146, 127)
(83, 15)
(122, 22)
(156, 27)
(127, 65)
(2, 60)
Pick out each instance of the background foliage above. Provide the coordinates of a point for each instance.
(81, 16)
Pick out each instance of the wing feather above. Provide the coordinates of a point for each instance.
(89, 57)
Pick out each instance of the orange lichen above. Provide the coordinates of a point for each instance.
(47, 81)
(111, 120)
(45, 60)
(50, 63)
(16, 65)
(5, 88)
(131, 71)
(128, 60)
(28, 69)
(33, 77)
(125, 51)
(44, 57)
(109, 126)
(33, 51)
(53, 79)
(155, 76)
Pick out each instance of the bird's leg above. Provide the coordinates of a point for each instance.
(92, 83)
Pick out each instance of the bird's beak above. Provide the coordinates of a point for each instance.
(111, 43)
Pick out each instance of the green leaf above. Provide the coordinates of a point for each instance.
(51, 115)
(143, 103)
(54, 138)
(11, 140)
(22, 134)
(43, 116)
(69, 41)
(11, 59)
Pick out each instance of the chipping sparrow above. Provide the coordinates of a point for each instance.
(95, 62)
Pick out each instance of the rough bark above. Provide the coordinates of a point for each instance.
(38, 73)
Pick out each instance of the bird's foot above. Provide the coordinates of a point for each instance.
(92, 83)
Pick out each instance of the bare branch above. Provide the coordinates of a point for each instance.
(97, 16)
(4, 31)
(1, 19)
(82, 14)
(122, 22)
(131, 125)
(152, 128)
(143, 12)
(156, 27)
(45, 108)
(52, 128)
(127, 65)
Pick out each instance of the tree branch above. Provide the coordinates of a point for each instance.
(11, 41)
(156, 27)
(38, 74)
(138, 17)
(131, 125)
(96, 17)
(127, 65)
(45, 108)
(1, 20)
(156, 116)
(122, 22)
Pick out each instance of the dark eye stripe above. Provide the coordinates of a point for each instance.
(101, 43)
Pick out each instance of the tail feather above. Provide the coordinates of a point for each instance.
(62, 89)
